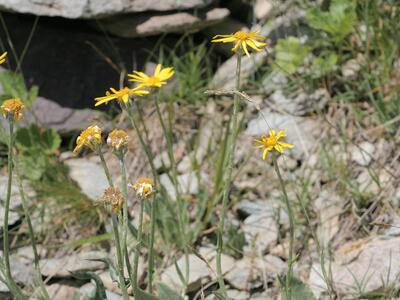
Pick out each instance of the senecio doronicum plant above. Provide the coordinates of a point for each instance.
(145, 85)
(243, 42)
(273, 143)
(145, 189)
(12, 110)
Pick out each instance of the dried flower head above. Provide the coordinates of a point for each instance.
(3, 58)
(118, 139)
(113, 197)
(122, 95)
(272, 142)
(90, 137)
(144, 187)
(242, 40)
(12, 108)
(158, 79)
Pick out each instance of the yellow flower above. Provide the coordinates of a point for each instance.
(158, 79)
(90, 137)
(242, 40)
(3, 58)
(144, 187)
(13, 107)
(112, 196)
(120, 95)
(272, 143)
(117, 139)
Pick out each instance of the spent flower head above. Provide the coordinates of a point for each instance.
(144, 187)
(242, 40)
(12, 109)
(90, 137)
(113, 197)
(272, 143)
(158, 79)
(3, 58)
(118, 140)
(121, 95)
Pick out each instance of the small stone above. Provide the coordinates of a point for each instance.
(150, 24)
(245, 274)
(237, 295)
(363, 153)
(263, 9)
(351, 68)
(198, 274)
(89, 176)
(188, 183)
(261, 231)
(61, 292)
(224, 77)
(316, 281)
(62, 267)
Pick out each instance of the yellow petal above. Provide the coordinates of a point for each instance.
(272, 132)
(244, 46)
(286, 145)
(265, 152)
(157, 70)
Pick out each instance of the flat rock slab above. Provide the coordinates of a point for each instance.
(89, 175)
(130, 26)
(92, 9)
(62, 267)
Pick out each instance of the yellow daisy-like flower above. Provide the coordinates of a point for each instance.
(13, 107)
(158, 79)
(242, 40)
(272, 142)
(90, 137)
(3, 58)
(117, 139)
(112, 196)
(144, 187)
(120, 95)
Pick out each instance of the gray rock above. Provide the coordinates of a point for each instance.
(362, 154)
(129, 26)
(301, 132)
(15, 201)
(375, 263)
(22, 273)
(263, 9)
(261, 231)
(245, 275)
(62, 119)
(62, 267)
(276, 80)
(224, 78)
(93, 9)
(328, 207)
(188, 183)
(351, 68)
(89, 175)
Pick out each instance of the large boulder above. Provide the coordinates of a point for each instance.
(92, 9)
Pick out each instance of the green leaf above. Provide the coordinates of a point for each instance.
(322, 66)
(14, 87)
(339, 21)
(165, 292)
(100, 291)
(142, 295)
(290, 54)
(300, 291)
(29, 138)
(32, 165)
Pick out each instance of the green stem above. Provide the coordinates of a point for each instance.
(138, 246)
(6, 250)
(143, 144)
(125, 207)
(120, 261)
(104, 165)
(227, 184)
(288, 282)
(151, 246)
(31, 231)
(121, 276)
(170, 150)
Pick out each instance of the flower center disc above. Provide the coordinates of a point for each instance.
(240, 35)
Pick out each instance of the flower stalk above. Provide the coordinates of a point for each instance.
(228, 177)
(288, 279)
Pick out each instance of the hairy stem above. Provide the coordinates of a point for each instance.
(138, 247)
(228, 177)
(288, 282)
